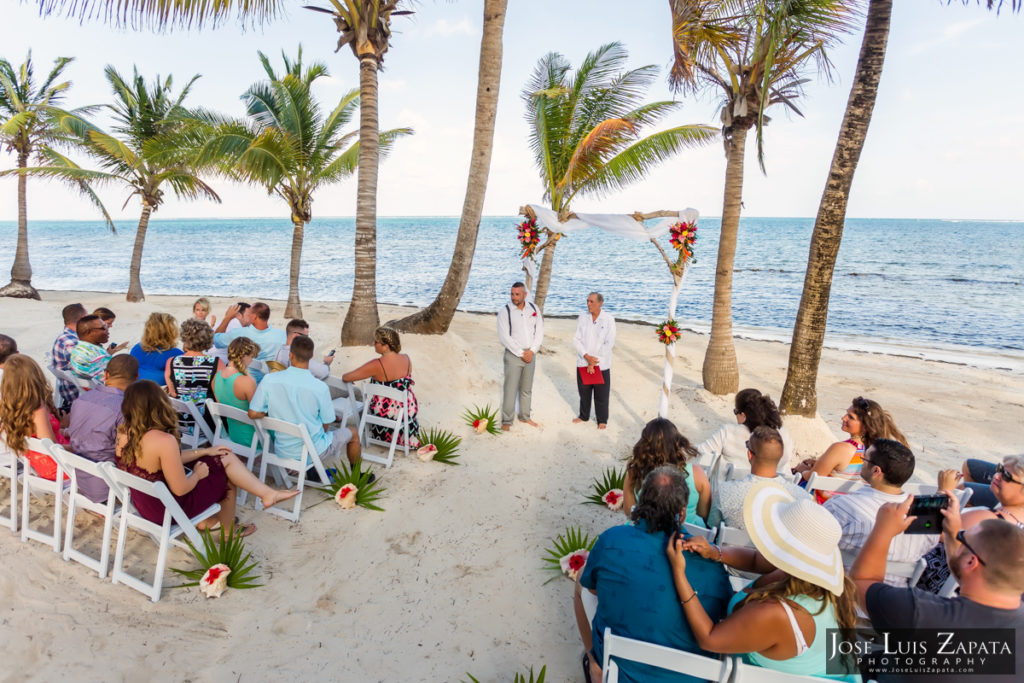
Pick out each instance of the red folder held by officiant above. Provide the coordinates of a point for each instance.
(589, 378)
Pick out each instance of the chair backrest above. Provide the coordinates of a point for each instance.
(911, 571)
(832, 484)
(270, 425)
(730, 535)
(221, 412)
(662, 657)
(124, 483)
(743, 673)
(918, 489)
(202, 429)
(348, 391)
(695, 530)
(74, 463)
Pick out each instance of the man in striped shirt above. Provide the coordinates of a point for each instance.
(61, 352)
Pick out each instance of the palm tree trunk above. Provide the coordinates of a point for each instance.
(544, 276)
(20, 285)
(799, 395)
(435, 318)
(294, 307)
(134, 283)
(721, 374)
(362, 319)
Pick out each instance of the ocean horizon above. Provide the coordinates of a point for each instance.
(945, 289)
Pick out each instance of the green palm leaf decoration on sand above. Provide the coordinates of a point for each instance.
(227, 550)
(569, 552)
(519, 678)
(483, 419)
(446, 443)
(612, 480)
(369, 492)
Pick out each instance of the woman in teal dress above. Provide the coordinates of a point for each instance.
(234, 386)
(661, 444)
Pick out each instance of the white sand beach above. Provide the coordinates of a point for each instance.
(449, 578)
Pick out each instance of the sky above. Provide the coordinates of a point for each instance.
(944, 142)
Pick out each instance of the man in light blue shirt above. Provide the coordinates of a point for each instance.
(295, 395)
(270, 339)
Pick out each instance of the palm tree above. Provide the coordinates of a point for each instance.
(289, 147)
(753, 54)
(435, 318)
(800, 394)
(32, 123)
(365, 26)
(163, 14)
(584, 131)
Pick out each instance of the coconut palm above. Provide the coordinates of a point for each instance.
(799, 394)
(161, 14)
(289, 146)
(32, 123)
(584, 131)
(365, 26)
(435, 318)
(753, 53)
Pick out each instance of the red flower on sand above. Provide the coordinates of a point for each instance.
(613, 499)
(573, 563)
(215, 572)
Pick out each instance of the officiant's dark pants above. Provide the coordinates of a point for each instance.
(599, 392)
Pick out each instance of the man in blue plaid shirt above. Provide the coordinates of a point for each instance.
(61, 353)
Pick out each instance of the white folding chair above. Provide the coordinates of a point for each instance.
(345, 405)
(10, 466)
(695, 530)
(399, 422)
(661, 657)
(201, 434)
(75, 464)
(744, 673)
(222, 437)
(917, 489)
(816, 482)
(736, 472)
(32, 483)
(270, 428)
(911, 571)
(729, 535)
(175, 523)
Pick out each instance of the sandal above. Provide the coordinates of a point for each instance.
(586, 668)
(246, 529)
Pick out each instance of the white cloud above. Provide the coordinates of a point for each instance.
(447, 29)
(948, 33)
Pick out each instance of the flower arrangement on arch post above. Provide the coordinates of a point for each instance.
(683, 238)
(668, 332)
(528, 236)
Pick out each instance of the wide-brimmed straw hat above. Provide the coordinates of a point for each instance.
(797, 536)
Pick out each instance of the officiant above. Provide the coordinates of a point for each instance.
(594, 338)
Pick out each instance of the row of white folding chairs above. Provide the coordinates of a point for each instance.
(817, 482)
(120, 484)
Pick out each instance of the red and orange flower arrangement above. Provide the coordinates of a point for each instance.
(529, 237)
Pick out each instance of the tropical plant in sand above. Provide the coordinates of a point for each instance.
(439, 445)
(585, 133)
(483, 420)
(32, 123)
(607, 490)
(223, 563)
(569, 552)
(365, 26)
(800, 394)
(754, 54)
(289, 146)
(520, 677)
(355, 485)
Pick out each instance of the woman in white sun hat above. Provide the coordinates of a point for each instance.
(780, 621)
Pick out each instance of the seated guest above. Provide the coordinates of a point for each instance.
(752, 409)
(159, 337)
(764, 451)
(61, 353)
(95, 417)
(26, 410)
(864, 421)
(189, 376)
(234, 387)
(8, 347)
(661, 444)
(107, 316)
(987, 559)
(391, 369)
(237, 315)
(887, 466)
(628, 572)
(201, 311)
(295, 396)
(269, 338)
(781, 621)
(296, 327)
(89, 358)
(148, 446)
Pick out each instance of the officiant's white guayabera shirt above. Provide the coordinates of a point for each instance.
(595, 338)
(519, 330)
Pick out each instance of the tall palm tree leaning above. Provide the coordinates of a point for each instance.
(289, 146)
(800, 394)
(584, 131)
(754, 54)
(435, 318)
(365, 26)
(32, 123)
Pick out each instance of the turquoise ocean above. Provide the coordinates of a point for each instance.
(942, 289)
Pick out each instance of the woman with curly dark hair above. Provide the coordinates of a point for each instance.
(661, 444)
(752, 409)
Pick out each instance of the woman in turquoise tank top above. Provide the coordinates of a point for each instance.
(781, 621)
(661, 444)
(233, 386)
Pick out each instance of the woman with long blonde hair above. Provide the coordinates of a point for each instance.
(159, 337)
(27, 410)
(149, 446)
(234, 386)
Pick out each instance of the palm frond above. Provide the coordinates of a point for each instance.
(485, 418)
(81, 183)
(566, 543)
(612, 478)
(446, 443)
(369, 491)
(229, 550)
(163, 15)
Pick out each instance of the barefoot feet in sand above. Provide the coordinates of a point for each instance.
(277, 496)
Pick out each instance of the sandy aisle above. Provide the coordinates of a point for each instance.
(449, 578)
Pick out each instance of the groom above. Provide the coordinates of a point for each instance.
(520, 331)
